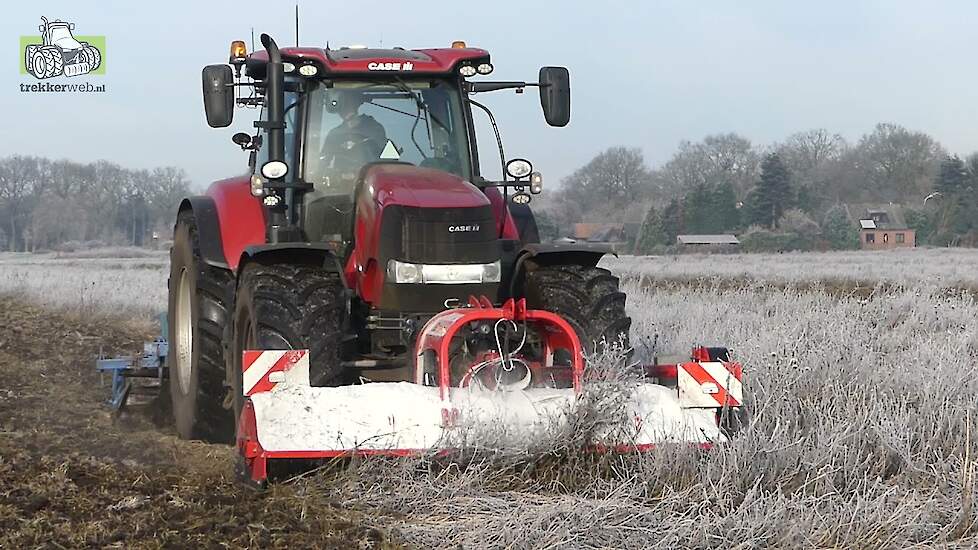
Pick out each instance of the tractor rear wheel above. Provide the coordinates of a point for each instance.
(289, 306)
(198, 311)
(588, 298)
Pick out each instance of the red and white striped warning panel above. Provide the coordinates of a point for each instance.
(264, 369)
(710, 384)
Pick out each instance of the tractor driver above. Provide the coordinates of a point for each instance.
(358, 139)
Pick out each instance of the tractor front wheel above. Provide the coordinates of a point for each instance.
(288, 306)
(588, 298)
(198, 311)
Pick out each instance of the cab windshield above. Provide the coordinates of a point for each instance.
(352, 123)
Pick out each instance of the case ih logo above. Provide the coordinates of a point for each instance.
(463, 228)
(374, 66)
(57, 52)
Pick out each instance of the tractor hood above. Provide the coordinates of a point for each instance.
(420, 216)
(411, 186)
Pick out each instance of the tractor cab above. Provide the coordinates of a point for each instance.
(352, 123)
(345, 111)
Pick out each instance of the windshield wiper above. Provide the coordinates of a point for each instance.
(403, 86)
(417, 118)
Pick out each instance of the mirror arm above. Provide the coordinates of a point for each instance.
(476, 87)
(507, 183)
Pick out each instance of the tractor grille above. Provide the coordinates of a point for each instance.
(439, 235)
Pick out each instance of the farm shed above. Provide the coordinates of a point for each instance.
(707, 240)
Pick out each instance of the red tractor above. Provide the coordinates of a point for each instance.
(344, 293)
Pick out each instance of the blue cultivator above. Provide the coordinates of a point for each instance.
(148, 368)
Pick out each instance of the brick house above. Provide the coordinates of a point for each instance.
(883, 228)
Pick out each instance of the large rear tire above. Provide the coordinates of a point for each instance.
(197, 313)
(588, 298)
(289, 306)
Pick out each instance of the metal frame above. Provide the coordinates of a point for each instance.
(150, 364)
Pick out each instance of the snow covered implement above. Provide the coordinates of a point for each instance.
(365, 289)
(522, 393)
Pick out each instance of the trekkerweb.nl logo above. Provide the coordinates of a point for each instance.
(57, 52)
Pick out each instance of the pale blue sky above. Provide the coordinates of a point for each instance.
(645, 74)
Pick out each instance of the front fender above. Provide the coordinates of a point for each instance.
(320, 254)
(535, 255)
(208, 229)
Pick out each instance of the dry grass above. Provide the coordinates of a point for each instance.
(134, 287)
(859, 439)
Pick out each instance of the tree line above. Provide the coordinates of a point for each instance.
(789, 195)
(45, 203)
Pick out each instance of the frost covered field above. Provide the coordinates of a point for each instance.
(96, 282)
(864, 412)
(939, 266)
(862, 436)
(81, 283)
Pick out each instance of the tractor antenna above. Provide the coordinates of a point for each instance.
(252, 39)
(297, 25)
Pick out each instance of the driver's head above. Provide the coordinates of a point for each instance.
(347, 102)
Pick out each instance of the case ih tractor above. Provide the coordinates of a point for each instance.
(363, 289)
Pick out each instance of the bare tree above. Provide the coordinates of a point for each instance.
(167, 186)
(21, 185)
(614, 175)
(720, 158)
(897, 164)
(44, 203)
(808, 153)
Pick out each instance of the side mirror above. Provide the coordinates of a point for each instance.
(218, 95)
(555, 95)
(242, 140)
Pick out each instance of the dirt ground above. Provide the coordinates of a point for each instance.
(72, 476)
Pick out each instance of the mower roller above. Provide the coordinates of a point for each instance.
(364, 289)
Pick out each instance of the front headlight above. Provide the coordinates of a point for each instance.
(403, 272)
(445, 274)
